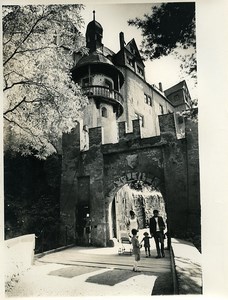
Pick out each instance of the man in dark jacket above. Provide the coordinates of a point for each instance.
(157, 226)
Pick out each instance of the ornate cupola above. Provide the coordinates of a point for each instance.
(94, 35)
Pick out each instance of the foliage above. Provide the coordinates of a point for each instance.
(40, 99)
(170, 28)
(32, 198)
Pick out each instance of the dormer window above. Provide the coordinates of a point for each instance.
(140, 70)
(132, 50)
(130, 61)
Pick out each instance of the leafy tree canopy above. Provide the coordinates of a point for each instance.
(40, 99)
(169, 27)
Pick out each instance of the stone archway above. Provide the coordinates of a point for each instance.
(123, 198)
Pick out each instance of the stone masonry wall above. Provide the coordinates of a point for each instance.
(163, 161)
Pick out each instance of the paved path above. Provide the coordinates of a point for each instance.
(91, 271)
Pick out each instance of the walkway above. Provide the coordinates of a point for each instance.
(92, 271)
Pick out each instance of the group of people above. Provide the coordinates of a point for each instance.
(156, 228)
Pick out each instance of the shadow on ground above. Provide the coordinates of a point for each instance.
(163, 285)
(113, 277)
(71, 272)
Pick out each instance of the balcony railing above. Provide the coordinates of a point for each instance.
(103, 91)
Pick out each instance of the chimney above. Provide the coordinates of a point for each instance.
(160, 87)
(122, 42)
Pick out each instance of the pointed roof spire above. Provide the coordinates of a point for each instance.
(94, 34)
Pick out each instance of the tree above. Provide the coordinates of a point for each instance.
(170, 28)
(40, 99)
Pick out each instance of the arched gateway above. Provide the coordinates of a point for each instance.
(91, 178)
(142, 195)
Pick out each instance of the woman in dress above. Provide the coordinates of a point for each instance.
(132, 222)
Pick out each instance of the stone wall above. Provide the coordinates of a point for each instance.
(162, 161)
(18, 257)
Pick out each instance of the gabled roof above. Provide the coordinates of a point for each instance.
(175, 88)
(132, 44)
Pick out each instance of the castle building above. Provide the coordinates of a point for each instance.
(116, 86)
(127, 119)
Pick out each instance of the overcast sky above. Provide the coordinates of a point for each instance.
(113, 19)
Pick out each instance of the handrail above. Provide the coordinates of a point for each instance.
(98, 90)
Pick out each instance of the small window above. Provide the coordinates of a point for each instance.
(147, 99)
(132, 50)
(130, 61)
(104, 112)
(108, 83)
(85, 82)
(139, 70)
(161, 109)
(140, 117)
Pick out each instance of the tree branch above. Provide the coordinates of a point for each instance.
(25, 38)
(26, 129)
(16, 106)
(32, 50)
(15, 83)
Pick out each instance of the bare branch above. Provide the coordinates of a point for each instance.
(37, 49)
(15, 107)
(15, 83)
(25, 38)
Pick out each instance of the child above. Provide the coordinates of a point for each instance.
(136, 249)
(146, 241)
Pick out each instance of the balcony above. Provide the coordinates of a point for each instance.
(105, 94)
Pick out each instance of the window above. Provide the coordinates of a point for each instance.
(147, 99)
(104, 112)
(108, 83)
(140, 117)
(139, 70)
(132, 50)
(85, 81)
(161, 109)
(130, 61)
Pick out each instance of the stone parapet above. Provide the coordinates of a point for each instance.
(187, 264)
(18, 257)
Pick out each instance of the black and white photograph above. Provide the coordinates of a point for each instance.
(103, 128)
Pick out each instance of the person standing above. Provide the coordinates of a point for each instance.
(146, 240)
(135, 249)
(132, 222)
(157, 226)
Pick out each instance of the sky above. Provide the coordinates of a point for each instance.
(113, 18)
